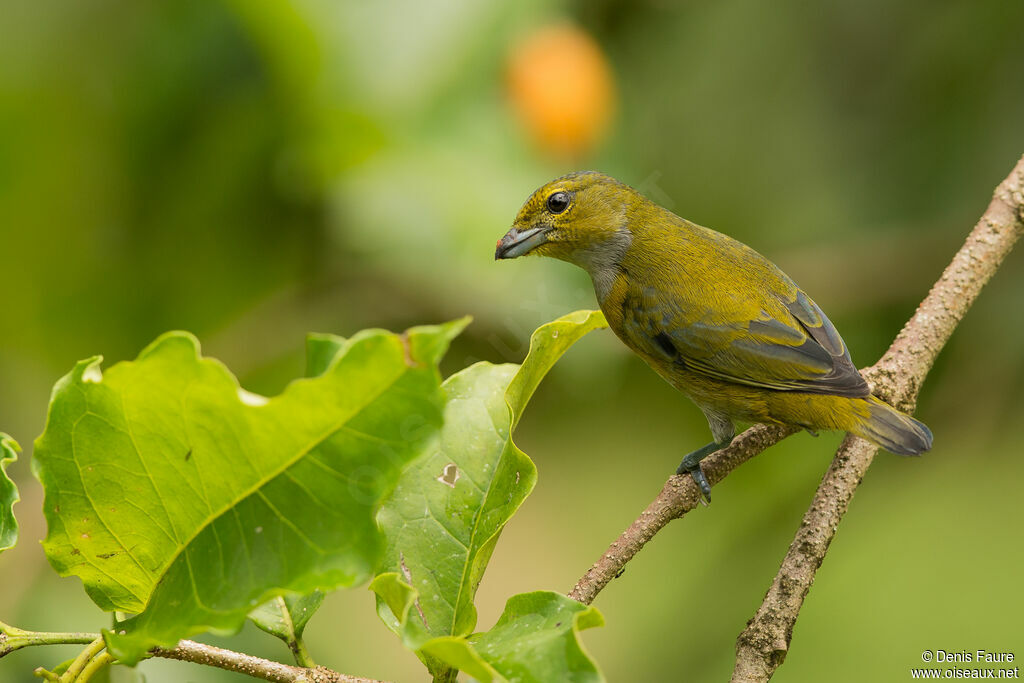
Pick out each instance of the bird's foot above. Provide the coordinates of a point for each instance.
(691, 465)
(702, 483)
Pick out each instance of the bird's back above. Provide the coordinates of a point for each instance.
(706, 310)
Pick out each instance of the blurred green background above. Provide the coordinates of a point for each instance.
(252, 170)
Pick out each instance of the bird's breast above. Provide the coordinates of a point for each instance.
(612, 289)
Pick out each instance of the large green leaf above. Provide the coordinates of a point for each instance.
(535, 639)
(286, 616)
(443, 519)
(175, 494)
(9, 449)
(320, 352)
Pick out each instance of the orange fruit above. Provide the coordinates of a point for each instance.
(561, 86)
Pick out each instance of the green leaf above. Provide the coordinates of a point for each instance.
(63, 666)
(535, 639)
(456, 653)
(320, 351)
(443, 519)
(175, 494)
(287, 616)
(9, 450)
(547, 344)
(395, 594)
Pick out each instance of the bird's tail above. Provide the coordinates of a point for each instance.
(894, 431)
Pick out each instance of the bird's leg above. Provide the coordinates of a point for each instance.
(722, 431)
(691, 465)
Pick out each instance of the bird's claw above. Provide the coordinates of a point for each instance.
(702, 483)
(691, 465)
(699, 479)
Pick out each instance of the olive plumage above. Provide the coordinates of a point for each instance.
(717, 320)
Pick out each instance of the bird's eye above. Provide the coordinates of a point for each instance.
(558, 202)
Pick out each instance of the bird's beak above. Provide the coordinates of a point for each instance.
(518, 242)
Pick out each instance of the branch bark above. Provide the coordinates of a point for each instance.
(13, 638)
(257, 667)
(897, 377)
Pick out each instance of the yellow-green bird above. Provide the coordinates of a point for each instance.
(717, 320)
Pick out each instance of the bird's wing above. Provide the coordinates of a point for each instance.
(776, 342)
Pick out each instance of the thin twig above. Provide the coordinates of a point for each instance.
(679, 496)
(763, 644)
(257, 667)
(13, 638)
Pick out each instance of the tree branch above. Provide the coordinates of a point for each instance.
(896, 377)
(13, 638)
(257, 667)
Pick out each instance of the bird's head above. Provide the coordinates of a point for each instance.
(575, 218)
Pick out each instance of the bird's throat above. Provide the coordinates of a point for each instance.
(603, 261)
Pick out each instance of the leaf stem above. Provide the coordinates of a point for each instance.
(90, 651)
(445, 675)
(293, 638)
(95, 664)
(302, 656)
(13, 638)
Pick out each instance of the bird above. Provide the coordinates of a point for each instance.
(716, 319)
